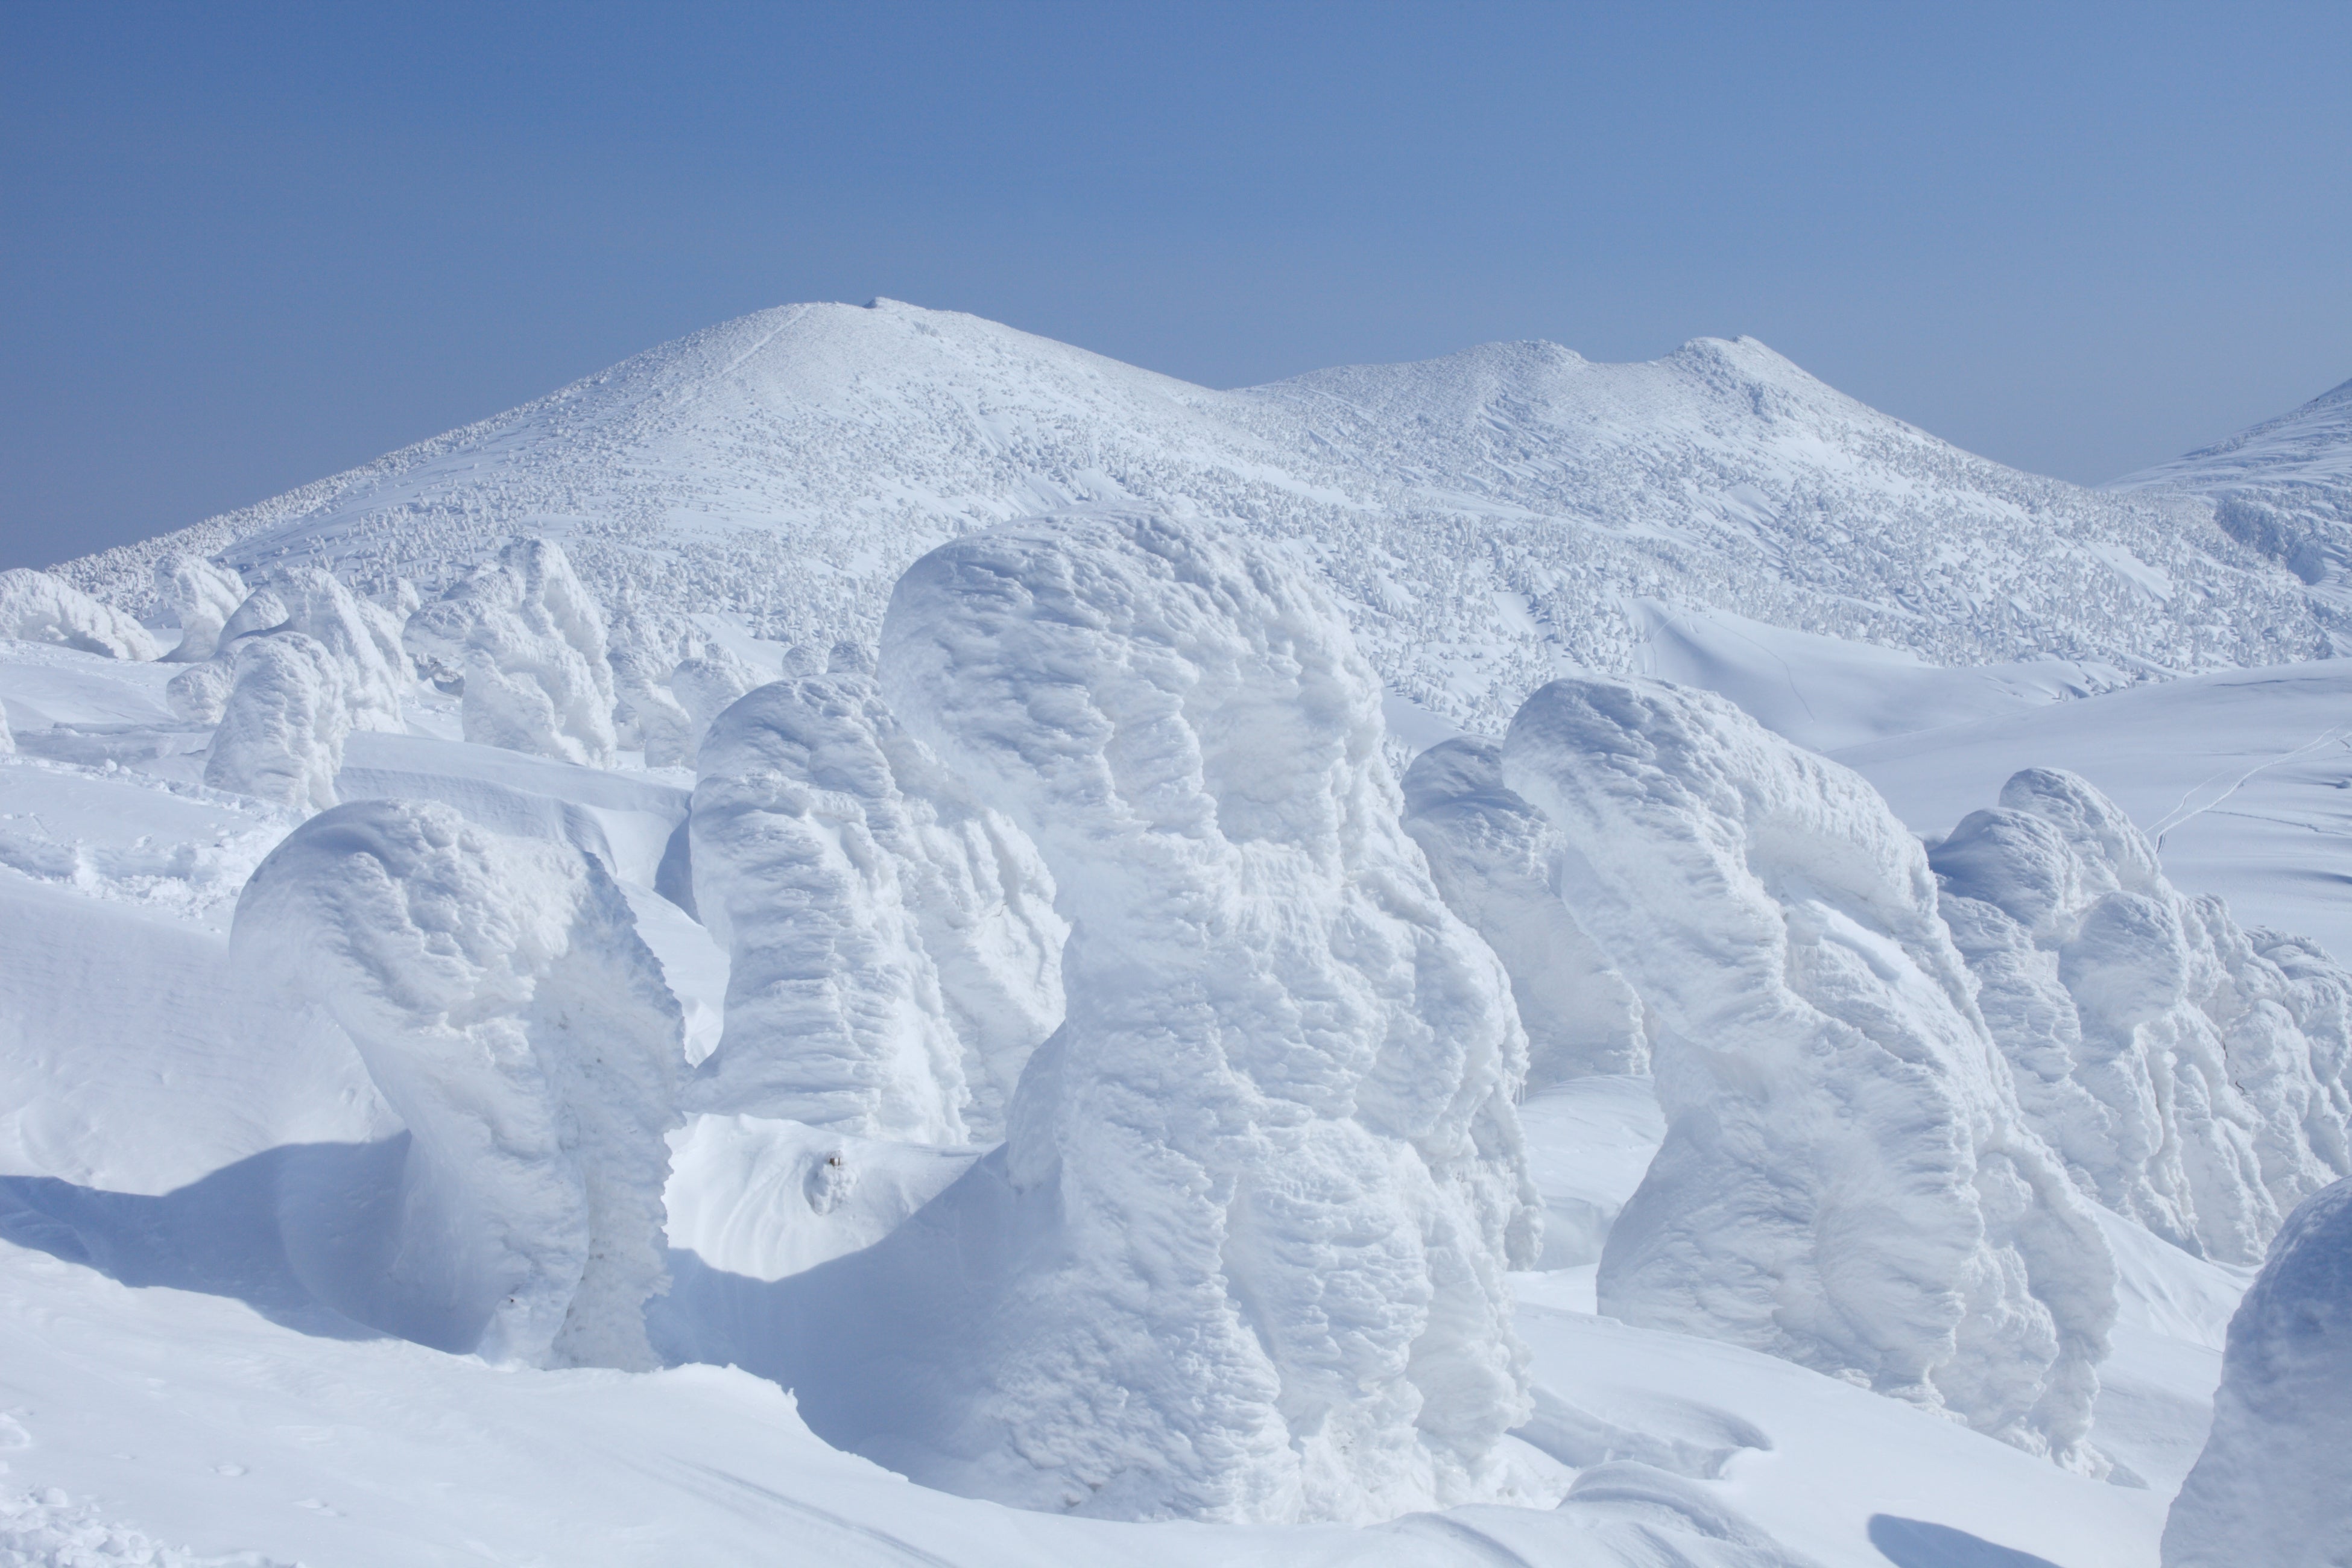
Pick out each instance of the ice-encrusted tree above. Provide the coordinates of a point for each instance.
(2273, 1484)
(1492, 856)
(2191, 1078)
(203, 595)
(895, 955)
(283, 722)
(36, 607)
(1241, 1254)
(499, 993)
(1847, 1179)
(525, 643)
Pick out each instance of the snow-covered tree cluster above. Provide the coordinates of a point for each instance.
(1088, 868)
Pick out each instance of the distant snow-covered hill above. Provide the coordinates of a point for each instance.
(2283, 486)
(1486, 518)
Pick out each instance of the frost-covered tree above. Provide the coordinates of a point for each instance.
(525, 643)
(895, 953)
(2274, 1483)
(1241, 1254)
(2188, 1079)
(282, 723)
(497, 992)
(202, 596)
(37, 607)
(1492, 856)
(1846, 1179)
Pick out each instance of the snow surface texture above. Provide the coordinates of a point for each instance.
(1845, 1180)
(895, 953)
(670, 680)
(1241, 1255)
(1492, 857)
(1487, 520)
(505, 1006)
(283, 723)
(2284, 487)
(200, 596)
(2191, 1073)
(525, 643)
(37, 607)
(2274, 1483)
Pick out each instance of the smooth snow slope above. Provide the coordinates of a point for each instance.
(2283, 486)
(1482, 517)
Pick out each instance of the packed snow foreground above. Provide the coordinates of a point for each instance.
(1130, 1099)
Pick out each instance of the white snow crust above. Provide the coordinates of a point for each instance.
(2274, 1483)
(1240, 1254)
(1846, 1179)
(36, 607)
(2192, 1074)
(895, 954)
(525, 643)
(508, 1013)
(1492, 856)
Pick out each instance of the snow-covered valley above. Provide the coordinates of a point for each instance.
(1504, 961)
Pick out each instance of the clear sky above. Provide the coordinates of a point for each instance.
(244, 248)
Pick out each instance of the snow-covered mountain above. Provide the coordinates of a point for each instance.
(1485, 518)
(2284, 487)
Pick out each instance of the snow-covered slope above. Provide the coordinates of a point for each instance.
(2283, 486)
(1482, 517)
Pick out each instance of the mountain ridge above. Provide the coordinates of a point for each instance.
(1489, 518)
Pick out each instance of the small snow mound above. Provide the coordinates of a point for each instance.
(1845, 1180)
(1491, 854)
(527, 645)
(503, 1003)
(49, 1529)
(2274, 1483)
(37, 607)
(1241, 1256)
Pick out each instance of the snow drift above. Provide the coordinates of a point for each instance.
(1491, 855)
(1845, 1180)
(37, 607)
(526, 643)
(895, 953)
(504, 1005)
(2192, 1074)
(1241, 1253)
(2274, 1483)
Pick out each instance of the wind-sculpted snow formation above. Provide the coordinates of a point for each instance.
(895, 953)
(504, 1005)
(1847, 1179)
(1241, 1254)
(1481, 518)
(2191, 1073)
(36, 607)
(1492, 856)
(283, 723)
(525, 643)
(2274, 1483)
(201, 595)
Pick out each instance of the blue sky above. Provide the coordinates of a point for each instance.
(243, 247)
